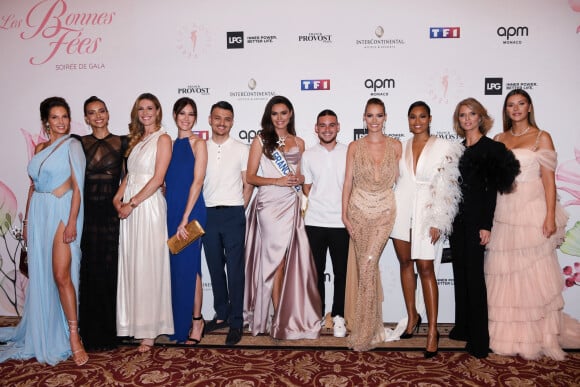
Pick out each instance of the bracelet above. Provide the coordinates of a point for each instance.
(25, 221)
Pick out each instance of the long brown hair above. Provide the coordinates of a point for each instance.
(268, 133)
(136, 128)
(507, 121)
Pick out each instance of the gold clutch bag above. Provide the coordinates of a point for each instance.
(194, 230)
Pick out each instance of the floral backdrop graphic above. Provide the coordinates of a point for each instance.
(245, 52)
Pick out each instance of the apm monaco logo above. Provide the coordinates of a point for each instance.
(315, 37)
(512, 35)
(493, 86)
(196, 89)
(378, 41)
(248, 135)
(252, 94)
(235, 39)
(379, 86)
(444, 32)
(315, 84)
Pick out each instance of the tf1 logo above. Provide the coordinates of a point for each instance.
(444, 33)
(493, 86)
(315, 84)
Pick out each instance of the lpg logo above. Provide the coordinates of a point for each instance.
(493, 86)
(235, 39)
(444, 33)
(379, 84)
(315, 84)
(509, 33)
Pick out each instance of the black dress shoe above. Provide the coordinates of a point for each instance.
(214, 325)
(234, 336)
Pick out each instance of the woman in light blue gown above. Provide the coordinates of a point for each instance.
(48, 330)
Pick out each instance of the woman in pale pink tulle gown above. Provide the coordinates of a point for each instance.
(523, 276)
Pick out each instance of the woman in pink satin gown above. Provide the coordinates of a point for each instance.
(279, 265)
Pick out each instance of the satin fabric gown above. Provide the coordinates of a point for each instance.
(144, 282)
(523, 276)
(186, 265)
(43, 331)
(371, 211)
(276, 235)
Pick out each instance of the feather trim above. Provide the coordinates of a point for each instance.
(445, 191)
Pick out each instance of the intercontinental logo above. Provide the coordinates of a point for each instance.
(235, 39)
(512, 35)
(315, 37)
(378, 41)
(251, 94)
(195, 89)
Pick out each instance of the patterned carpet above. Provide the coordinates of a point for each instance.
(261, 361)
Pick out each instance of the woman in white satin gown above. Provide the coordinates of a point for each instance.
(144, 284)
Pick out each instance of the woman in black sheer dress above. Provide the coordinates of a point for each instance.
(98, 277)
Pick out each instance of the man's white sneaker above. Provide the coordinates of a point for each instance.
(339, 329)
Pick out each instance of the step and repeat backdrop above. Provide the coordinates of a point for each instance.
(321, 54)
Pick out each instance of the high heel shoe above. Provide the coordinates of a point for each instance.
(406, 335)
(430, 354)
(79, 355)
(190, 340)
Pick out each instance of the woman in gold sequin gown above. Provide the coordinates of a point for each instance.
(368, 212)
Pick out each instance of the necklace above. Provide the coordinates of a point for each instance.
(281, 141)
(519, 134)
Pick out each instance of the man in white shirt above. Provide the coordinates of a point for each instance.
(323, 166)
(226, 195)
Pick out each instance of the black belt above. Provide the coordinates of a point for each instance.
(223, 207)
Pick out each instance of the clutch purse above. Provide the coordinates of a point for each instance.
(194, 231)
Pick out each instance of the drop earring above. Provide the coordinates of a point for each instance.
(47, 129)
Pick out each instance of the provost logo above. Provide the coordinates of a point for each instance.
(493, 86)
(512, 35)
(315, 37)
(315, 84)
(380, 85)
(235, 39)
(444, 32)
(196, 89)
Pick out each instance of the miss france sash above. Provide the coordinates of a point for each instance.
(282, 166)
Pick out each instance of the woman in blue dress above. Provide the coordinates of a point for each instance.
(184, 182)
(48, 330)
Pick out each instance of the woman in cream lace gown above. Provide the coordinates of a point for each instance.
(368, 212)
(523, 276)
